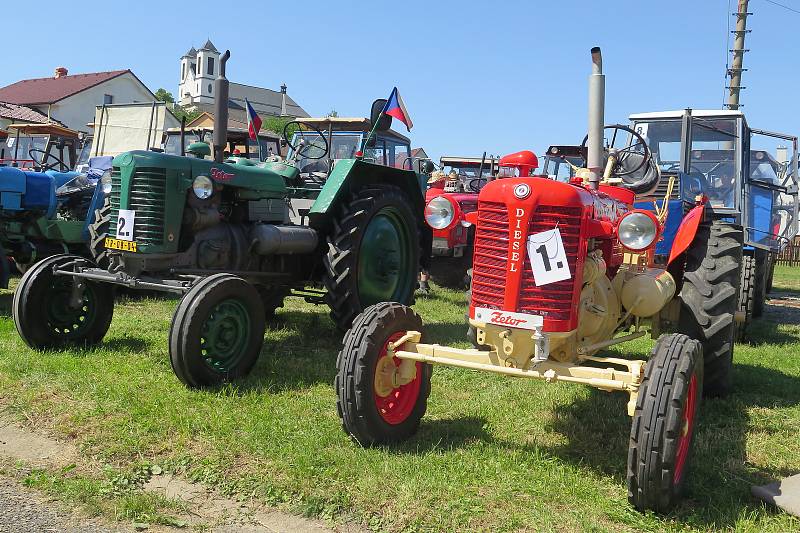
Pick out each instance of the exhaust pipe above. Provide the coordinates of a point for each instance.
(597, 98)
(220, 137)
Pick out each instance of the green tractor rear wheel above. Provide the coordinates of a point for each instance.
(49, 313)
(373, 252)
(217, 331)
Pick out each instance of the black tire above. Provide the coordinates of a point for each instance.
(350, 225)
(709, 299)
(98, 231)
(746, 296)
(760, 285)
(662, 430)
(223, 299)
(44, 316)
(451, 272)
(357, 401)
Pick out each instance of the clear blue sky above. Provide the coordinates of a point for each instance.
(498, 76)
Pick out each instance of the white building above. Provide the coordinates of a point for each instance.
(200, 67)
(71, 99)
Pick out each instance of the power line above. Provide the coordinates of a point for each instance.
(793, 10)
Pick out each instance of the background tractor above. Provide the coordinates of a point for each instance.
(234, 239)
(453, 193)
(748, 175)
(561, 271)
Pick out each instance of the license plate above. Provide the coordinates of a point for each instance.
(117, 244)
(509, 319)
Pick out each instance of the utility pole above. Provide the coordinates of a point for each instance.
(735, 70)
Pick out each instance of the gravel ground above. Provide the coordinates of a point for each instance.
(23, 511)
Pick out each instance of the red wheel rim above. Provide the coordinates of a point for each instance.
(689, 410)
(398, 405)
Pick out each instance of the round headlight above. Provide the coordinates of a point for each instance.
(637, 231)
(203, 187)
(105, 182)
(439, 212)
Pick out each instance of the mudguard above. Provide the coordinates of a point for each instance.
(349, 174)
(686, 232)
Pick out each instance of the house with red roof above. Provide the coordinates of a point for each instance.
(71, 98)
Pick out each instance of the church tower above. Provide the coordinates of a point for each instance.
(188, 85)
(207, 71)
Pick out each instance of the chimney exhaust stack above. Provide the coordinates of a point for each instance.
(60, 72)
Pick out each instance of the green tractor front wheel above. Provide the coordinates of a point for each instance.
(217, 331)
(373, 252)
(51, 312)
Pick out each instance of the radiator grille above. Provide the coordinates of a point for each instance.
(147, 197)
(554, 300)
(490, 260)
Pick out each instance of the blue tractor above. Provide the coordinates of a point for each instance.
(749, 177)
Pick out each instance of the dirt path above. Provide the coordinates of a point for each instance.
(24, 510)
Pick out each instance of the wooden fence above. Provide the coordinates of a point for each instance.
(791, 254)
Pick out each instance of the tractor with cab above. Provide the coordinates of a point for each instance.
(234, 240)
(562, 271)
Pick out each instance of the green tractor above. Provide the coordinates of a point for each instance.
(234, 239)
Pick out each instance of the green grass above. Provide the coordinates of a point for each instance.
(492, 453)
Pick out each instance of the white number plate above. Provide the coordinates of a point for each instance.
(125, 224)
(548, 257)
(507, 318)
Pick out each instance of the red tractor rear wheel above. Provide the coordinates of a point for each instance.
(373, 410)
(663, 423)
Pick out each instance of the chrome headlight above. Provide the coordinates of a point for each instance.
(105, 182)
(203, 187)
(637, 230)
(439, 212)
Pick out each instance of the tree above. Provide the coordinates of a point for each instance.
(165, 96)
(333, 113)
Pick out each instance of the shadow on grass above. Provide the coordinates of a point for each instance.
(445, 434)
(596, 430)
(767, 329)
(5, 304)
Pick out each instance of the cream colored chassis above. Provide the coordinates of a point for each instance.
(616, 375)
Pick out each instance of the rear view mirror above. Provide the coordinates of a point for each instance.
(385, 121)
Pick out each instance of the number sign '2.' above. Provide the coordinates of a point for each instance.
(125, 224)
(548, 257)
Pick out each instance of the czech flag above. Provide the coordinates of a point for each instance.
(396, 108)
(253, 121)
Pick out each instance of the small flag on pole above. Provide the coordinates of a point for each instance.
(253, 121)
(396, 108)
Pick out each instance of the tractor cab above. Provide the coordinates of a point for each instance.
(561, 161)
(41, 147)
(328, 140)
(464, 174)
(240, 146)
(744, 173)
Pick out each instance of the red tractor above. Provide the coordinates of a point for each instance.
(563, 270)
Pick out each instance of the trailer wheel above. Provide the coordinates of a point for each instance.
(373, 252)
(217, 331)
(760, 285)
(45, 314)
(709, 298)
(372, 409)
(746, 296)
(663, 423)
(98, 231)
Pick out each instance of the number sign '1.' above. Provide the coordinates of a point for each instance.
(548, 257)
(125, 224)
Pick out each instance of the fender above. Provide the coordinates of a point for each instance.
(349, 174)
(686, 232)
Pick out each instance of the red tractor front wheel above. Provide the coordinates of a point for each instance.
(664, 422)
(373, 406)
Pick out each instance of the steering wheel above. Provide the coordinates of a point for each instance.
(301, 147)
(46, 156)
(628, 152)
(476, 187)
